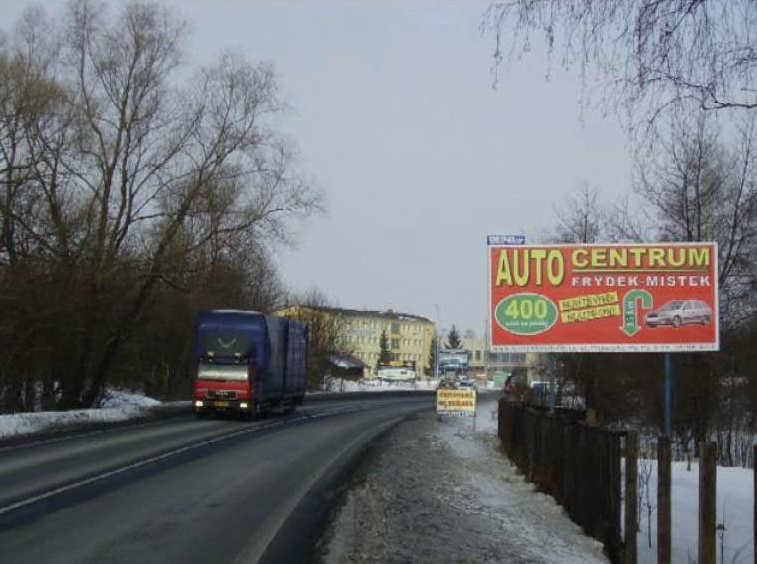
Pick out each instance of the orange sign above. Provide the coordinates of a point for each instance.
(624, 298)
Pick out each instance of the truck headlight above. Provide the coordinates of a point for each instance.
(199, 403)
(243, 405)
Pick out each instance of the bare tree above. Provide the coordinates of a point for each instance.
(129, 181)
(650, 55)
(580, 218)
(327, 328)
(698, 189)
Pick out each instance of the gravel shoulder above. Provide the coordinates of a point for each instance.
(438, 491)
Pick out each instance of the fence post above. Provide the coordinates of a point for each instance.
(664, 526)
(531, 445)
(707, 489)
(632, 471)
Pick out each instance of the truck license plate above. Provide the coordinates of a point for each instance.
(221, 404)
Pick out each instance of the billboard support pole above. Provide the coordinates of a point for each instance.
(552, 370)
(667, 394)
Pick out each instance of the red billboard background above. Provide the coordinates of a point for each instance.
(640, 297)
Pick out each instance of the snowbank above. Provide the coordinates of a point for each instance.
(117, 406)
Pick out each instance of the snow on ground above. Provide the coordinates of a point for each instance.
(116, 406)
(735, 498)
(119, 398)
(339, 385)
(441, 491)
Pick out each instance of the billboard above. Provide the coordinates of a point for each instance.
(611, 297)
(406, 364)
(453, 359)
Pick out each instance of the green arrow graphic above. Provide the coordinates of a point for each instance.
(630, 325)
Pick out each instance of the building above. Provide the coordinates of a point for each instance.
(359, 333)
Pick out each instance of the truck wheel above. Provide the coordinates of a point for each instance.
(200, 414)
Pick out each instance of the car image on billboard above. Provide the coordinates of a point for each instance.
(679, 312)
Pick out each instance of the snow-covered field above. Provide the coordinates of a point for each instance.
(735, 498)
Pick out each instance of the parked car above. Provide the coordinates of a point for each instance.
(680, 312)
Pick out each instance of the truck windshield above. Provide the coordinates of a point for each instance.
(225, 343)
(228, 372)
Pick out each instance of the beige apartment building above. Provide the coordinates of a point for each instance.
(409, 336)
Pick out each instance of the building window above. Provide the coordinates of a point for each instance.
(478, 355)
(395, 328)
(395, 343)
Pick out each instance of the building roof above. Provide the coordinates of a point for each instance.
(346, 360)
(388, 314)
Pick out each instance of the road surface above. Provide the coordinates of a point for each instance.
(186, 491)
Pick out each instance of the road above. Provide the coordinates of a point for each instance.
(186, 491)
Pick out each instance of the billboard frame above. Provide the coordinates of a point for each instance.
(607, 347)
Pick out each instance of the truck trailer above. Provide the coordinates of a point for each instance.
(249, 363)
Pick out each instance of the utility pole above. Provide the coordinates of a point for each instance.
(436, 362)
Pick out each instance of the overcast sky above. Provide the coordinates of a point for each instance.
(395, 116)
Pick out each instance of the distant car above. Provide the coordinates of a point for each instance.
(680, 312)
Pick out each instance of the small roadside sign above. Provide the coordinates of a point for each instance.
(460, 403)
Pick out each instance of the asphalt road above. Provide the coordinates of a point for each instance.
(186, 491)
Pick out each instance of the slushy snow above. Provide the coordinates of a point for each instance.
(441, 491)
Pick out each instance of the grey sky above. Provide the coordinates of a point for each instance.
(396, 119)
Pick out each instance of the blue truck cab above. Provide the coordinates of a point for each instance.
(249, 363)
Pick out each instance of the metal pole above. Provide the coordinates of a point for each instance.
(486, 350)
(436, 363)
(667, 394)
(664, 515)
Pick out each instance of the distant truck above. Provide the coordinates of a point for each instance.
(249, 363)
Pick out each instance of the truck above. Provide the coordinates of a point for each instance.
(249, 363)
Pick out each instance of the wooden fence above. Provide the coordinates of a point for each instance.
(578, 465)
